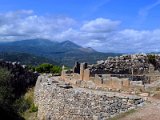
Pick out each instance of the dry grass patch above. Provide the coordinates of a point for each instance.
(157, 95)
(31, 113)
(122, 115)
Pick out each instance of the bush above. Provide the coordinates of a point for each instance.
(21, 105)
(56, 69)
(152, 59)
(24, 102)
(6, 90)
(44, 68)
(48, 68)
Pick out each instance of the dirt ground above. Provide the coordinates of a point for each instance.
(151, 111)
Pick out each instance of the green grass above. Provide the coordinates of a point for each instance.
(122, 115)
(33, 108)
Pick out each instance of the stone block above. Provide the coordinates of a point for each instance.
(117, 83)
(86, 75)
(144, 94)
(126, 82)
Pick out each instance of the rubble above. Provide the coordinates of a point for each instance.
(129, 70)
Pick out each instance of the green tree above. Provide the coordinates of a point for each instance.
(152, 59)
(48, 68)
(6, 89)
(44, 68)
(56, 69)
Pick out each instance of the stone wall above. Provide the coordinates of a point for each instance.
(56, 101)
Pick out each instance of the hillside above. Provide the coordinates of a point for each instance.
(65, 52)
(25, 58)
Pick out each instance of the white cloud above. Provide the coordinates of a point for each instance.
(100, 25)
(25, 24)
(101, 34)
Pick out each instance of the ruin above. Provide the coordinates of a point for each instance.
(55, 101)
(127, 72)
(99, 91)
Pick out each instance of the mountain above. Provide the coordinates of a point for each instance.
(65, 52)
(88, 50)
(25, 58)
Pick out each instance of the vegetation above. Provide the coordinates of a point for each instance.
(25, 58)
(47, 68)
(122, 115)
(25, 105)
(152, 59)
(12, 107)
(65, 52)
(6, 95)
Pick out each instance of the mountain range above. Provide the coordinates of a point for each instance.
(66, 52)
(25, 58)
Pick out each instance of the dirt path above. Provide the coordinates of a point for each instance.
(149, 112)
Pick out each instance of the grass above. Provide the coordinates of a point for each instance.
(122, 115)
(31, 113)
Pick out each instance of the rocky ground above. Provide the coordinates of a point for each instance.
(151, 111)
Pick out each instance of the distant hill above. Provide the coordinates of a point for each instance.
(65, 52)
(25, 58)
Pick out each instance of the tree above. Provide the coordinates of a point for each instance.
(6, 89)
(56, 69)
(48, 68)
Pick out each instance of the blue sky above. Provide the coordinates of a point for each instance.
(105, 25)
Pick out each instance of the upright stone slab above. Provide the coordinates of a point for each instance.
(83, 66)
(62, 73)
(86, 74)
(76, 68)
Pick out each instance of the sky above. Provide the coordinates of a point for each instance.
(124, 26)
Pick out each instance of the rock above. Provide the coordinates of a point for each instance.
(144, 94)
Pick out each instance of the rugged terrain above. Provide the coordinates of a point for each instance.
(65, 52)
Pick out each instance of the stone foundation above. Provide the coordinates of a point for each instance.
(56, 102)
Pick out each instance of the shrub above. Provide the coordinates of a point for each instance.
(33, 108)
(48, 68)
(56, 69)
(152, 59)
(21, 105)
(25, 102)
(6, 90)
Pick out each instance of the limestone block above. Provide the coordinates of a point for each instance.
(136, 83)
(126, 82)
(144, 94)
(117, 83)
(97, 80)
(107, 83)
(83, 66)
(86, 74)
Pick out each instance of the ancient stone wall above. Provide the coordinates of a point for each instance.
(126, 64)
(115, 73)
(56, 102)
